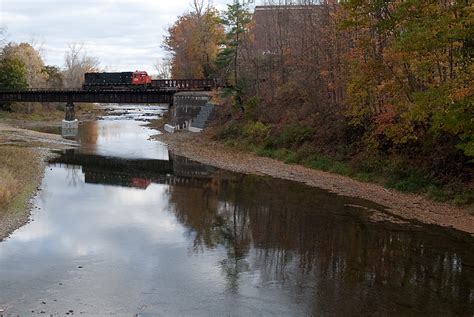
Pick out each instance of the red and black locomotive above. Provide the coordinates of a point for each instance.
(113, 81)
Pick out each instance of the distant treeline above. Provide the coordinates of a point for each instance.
(22, 66)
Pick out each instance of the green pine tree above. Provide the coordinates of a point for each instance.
(236, 20)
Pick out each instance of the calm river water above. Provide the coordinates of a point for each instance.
(123, 227)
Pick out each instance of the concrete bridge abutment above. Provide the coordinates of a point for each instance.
(186, 108)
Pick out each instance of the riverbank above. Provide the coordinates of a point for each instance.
(407, 206)
(22, 161)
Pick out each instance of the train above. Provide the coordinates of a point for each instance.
(102, 81)
(140, 80)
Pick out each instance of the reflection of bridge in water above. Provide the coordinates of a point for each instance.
(138, 173)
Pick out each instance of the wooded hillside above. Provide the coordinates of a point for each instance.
(378, 90)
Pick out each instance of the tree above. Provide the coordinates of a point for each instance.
(236, 19)
(31, 59)
(193, 42)
(22, 67)
(13, 74)
(55, 77)
(412, 69)
(3, 36)
(77, 63)
(163, 68)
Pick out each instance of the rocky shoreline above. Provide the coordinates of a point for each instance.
(409, 207)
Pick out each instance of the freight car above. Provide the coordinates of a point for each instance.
(116, 81)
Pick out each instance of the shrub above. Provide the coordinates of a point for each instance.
(256, 132)
(251, 107)
(319, 162)
(403, 177)
(304, 152)
(293, 135)
(230, 131)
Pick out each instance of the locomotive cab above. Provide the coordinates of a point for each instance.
(141, 78)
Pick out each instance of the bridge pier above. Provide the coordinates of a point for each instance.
(70, 124)
(70, 112)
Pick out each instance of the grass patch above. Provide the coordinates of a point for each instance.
(157, 123)
(85, 107)
(436, 193)
(36, 116)
(319, 162)
(8, 185)
(341, 168)
(284, 155)
(19, 173)
(410, 183)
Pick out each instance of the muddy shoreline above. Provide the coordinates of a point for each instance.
(410, 207)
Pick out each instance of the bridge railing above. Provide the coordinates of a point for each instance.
(184, 84)
(160, 84)
(71, 96)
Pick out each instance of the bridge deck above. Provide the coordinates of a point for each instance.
(102, 96)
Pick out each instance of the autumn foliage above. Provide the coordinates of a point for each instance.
(193, 41)
(412, 59)
(383, 87)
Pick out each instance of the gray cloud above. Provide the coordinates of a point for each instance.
(122, 34)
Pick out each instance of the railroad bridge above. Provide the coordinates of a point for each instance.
(163, 92)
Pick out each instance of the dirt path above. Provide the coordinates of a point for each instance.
(408, 206)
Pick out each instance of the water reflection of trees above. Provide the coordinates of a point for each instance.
(74, 175)
(315, 244)
(89, 133)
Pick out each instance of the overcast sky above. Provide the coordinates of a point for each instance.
(123, 34)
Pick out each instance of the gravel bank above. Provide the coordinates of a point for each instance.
(407, 206)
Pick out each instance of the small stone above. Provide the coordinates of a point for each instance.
(79, 267)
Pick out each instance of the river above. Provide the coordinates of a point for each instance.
(123, 227)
